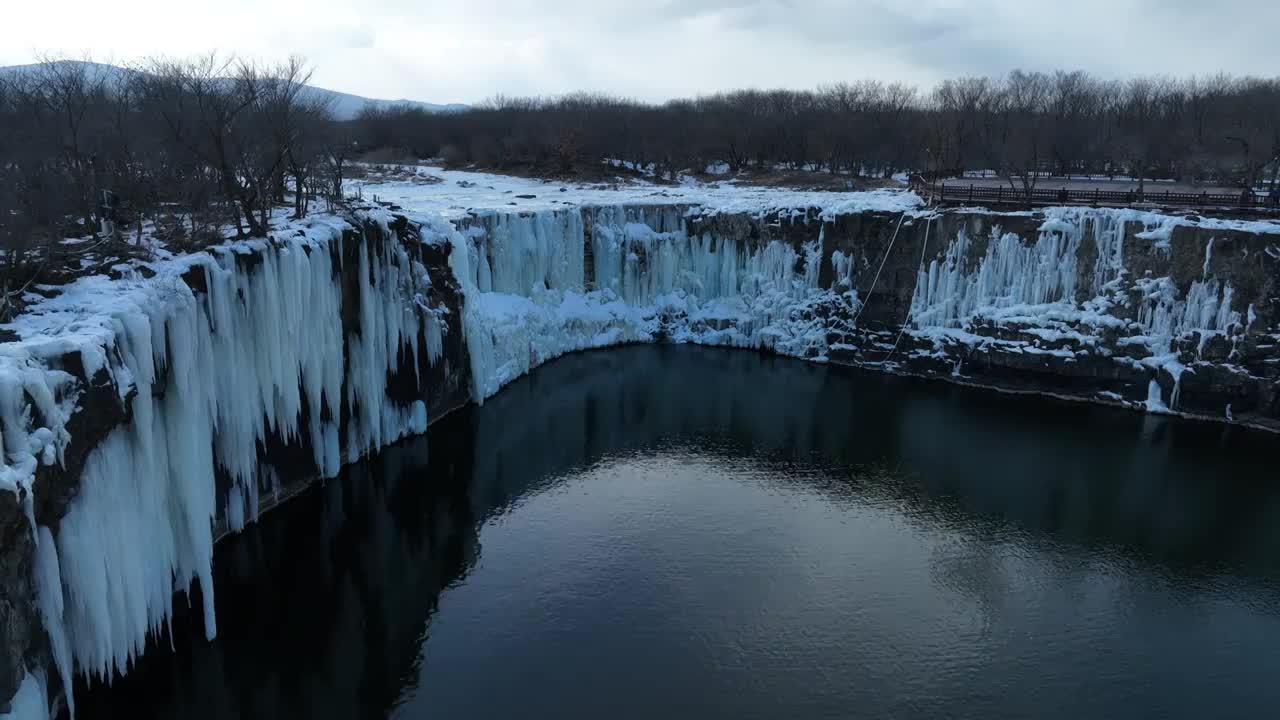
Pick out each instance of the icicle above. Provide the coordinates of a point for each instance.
(210, 377)
(1176, 370)
(648, 270)
(1011, 274)
(48, 581)
(1206, 309)
(1108, 237)
(842, 269)
(434, 337)
(1155, 403)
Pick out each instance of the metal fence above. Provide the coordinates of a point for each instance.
(958, 192)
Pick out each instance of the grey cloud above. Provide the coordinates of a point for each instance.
(326, 37)
(656, 49)
(665, 48)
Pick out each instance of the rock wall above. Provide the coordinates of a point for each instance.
(1156, 313)
(1159, 313)
(220, 385)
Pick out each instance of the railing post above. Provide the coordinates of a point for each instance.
(999, 194)
(970, 192)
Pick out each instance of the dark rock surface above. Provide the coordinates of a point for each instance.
(20, 628)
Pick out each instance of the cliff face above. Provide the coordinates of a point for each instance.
(216, 389)
(1099, 305)
(1158, 313)
(193, 399)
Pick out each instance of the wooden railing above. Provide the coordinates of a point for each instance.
(960, 192)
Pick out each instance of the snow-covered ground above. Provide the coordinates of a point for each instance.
(459, 191)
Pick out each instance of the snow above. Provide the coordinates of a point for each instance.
(462, 191)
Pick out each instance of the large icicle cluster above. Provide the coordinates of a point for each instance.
(1033, 287)
(1011, 274)
(530, 297)
(208, 376)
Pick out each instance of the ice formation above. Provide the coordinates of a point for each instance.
(1033, 287)
(544, 282)
(532, 293)
(208, 377)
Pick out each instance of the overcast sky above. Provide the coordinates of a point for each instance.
(466, 50)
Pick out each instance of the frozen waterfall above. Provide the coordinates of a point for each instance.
(209, 376)
(1038, 287)
(533, 294)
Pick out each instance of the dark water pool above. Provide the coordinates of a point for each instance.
(659, 532)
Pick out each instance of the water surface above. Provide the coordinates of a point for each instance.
(682, 532)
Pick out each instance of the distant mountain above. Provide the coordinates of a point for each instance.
(95, 71)
(344, 106)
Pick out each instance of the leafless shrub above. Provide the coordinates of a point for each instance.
(187, 147)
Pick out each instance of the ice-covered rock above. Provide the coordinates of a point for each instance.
(218, 356)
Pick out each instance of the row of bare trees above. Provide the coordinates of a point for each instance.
(185, 150)
(1221, 129)
(180, 150)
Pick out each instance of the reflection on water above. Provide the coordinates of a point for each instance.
(673, 531)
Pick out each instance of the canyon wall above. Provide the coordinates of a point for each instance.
(145, 416)
(1154, 312)
(156, 412)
